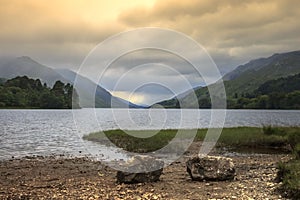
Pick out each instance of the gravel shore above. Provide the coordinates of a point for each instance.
(82, 178)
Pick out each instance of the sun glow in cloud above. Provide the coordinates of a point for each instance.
(136, 98)
(61, 33)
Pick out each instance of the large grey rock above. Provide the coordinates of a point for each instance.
(140, 169)
(214, 168)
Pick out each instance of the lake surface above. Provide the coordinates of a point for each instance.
(46, 132)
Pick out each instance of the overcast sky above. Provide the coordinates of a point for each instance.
(60, 34)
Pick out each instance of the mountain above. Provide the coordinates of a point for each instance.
(282, 85)
(281, 60)
(244, 80)
(25, 66)
(85, 87)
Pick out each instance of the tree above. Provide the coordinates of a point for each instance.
(293, 100)
(275, 100)
(58, 88)
(262, 102)
(21, 92)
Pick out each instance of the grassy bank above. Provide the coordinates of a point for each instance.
(289, 173)
(232, 137)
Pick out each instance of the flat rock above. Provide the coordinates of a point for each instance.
(215, 168)
(141, 169)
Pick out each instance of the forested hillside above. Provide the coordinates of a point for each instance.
(265, 83)
(23, 92)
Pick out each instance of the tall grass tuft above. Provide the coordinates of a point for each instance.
(289, 173)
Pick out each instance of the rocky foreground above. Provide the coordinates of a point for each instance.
(81, 178)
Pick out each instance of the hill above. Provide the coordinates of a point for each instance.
(85, 89)
(246, 78)
(25, 66)
(281, 85)
(244, 81)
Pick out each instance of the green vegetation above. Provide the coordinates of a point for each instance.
(266, 83)
(288, 173)
(231, 137)
(283, 93)
(23, 92)
(247, 78)
(281, 85)
(135, 144)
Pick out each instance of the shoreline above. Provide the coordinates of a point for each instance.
(58, 177)
(66, 176)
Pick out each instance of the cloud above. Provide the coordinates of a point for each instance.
(62, 33)
(136, 98)
(150, 57)
(54, 32)
(153, 81)
(227, 25)
(147, 94)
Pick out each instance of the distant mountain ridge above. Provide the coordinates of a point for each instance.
(84, 88)
(245, 79)
(259, 63)
(261, 70)
(25, 66)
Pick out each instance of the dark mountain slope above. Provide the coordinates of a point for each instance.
(245, 79)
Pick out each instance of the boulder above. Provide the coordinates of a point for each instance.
(215, 168)
(140, 169)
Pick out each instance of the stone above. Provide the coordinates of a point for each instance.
(214, 168)
(141, 169)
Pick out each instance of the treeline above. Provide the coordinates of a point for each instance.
(271, 101)
(282, 93)
(24, 92)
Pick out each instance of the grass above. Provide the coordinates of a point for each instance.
(250, 137)
(140, 144)
(289, 174)
(230, 137)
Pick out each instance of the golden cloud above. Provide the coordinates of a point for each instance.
(226, 28)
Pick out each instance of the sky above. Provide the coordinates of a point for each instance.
(61, 34)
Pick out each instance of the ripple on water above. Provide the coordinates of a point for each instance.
(45, 132)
